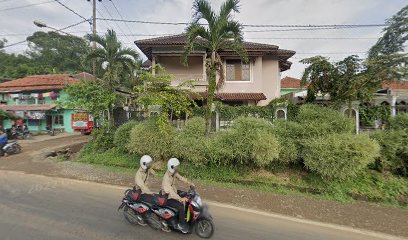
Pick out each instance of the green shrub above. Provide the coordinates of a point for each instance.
(394, 151)
(339, 156)
(323, 120)
(122, 135)
(146, 138)
(102, 139)
(249, 141)
(399, 122)
(190, 142)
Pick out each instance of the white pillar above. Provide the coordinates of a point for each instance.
(393, 107)
(357, 121)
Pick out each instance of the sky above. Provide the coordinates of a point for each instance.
(17, 16)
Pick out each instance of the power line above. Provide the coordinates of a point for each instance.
(317, 53)
(13, 44)
(330, 26)
(117, 10)
(119, 27)
(316, 38)
(61, 29)
(69, 9)
(24, 6)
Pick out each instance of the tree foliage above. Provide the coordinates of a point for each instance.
(222, 32)
(89, 96)
(116, 63)
(60, 53)
(156, 90)
(394, 37)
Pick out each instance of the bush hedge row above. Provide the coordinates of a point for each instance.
(319, 139)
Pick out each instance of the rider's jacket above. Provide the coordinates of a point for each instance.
(169, 186)
(141, 179)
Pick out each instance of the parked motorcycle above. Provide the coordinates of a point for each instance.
(199, 220)
(134, 210)
(11, 147)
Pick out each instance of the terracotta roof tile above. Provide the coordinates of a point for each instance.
(33, 107)
(402, 85)
(253, 49)
(235, 96)
(293, 83)
(43, 82)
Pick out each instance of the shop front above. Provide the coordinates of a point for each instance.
(39, 117)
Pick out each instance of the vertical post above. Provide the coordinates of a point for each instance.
(204, 69)
(154, 65)
(94, 34)
(393, 107)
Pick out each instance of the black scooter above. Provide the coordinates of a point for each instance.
(199, 220)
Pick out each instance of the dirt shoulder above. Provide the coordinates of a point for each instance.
(358, 214)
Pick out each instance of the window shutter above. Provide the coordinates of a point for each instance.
(238, 72)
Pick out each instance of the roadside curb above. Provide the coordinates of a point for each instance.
(367, 233)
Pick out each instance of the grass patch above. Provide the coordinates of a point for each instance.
(112, 157)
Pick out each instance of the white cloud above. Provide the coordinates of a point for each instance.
(252, 12)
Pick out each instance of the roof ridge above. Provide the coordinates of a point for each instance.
(161, 37)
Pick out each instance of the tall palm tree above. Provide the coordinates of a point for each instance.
(118, 62)
(221, 32)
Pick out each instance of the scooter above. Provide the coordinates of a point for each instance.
(134, 210)
(11, 147)
(199, 220)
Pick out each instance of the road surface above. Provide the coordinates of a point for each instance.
(39, 207)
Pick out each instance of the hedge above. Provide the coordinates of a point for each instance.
(339, 156)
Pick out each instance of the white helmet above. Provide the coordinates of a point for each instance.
(173, 164)
(146, 162)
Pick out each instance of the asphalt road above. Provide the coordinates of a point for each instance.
(38, 207)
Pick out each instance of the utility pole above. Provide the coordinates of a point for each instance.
(94, 34)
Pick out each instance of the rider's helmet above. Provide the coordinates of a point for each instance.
(173, 164)
(146, 162)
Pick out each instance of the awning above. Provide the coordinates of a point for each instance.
(31, 107)
(235, 96)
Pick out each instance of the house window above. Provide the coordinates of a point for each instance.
(59, 120)
(237, 71)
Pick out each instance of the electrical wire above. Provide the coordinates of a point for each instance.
(61, 29)
(24, 6)
(69, 9)
(120, 29)
(329, 26)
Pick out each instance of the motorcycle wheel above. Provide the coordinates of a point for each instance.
(17, 149)
(132, 217)
(204, 228)
(154, 221)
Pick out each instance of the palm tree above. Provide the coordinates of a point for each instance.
(117, 62)
(221, 32)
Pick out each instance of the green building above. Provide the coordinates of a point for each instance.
(34, 99)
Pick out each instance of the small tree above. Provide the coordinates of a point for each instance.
(157, 90)
(89, 96)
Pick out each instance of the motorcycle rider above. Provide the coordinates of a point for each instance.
(142, 175)
(3, 142)
(169, 187)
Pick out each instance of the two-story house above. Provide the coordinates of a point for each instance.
(254, 83)
(34, 99)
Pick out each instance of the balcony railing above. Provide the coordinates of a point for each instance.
(198, 79)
